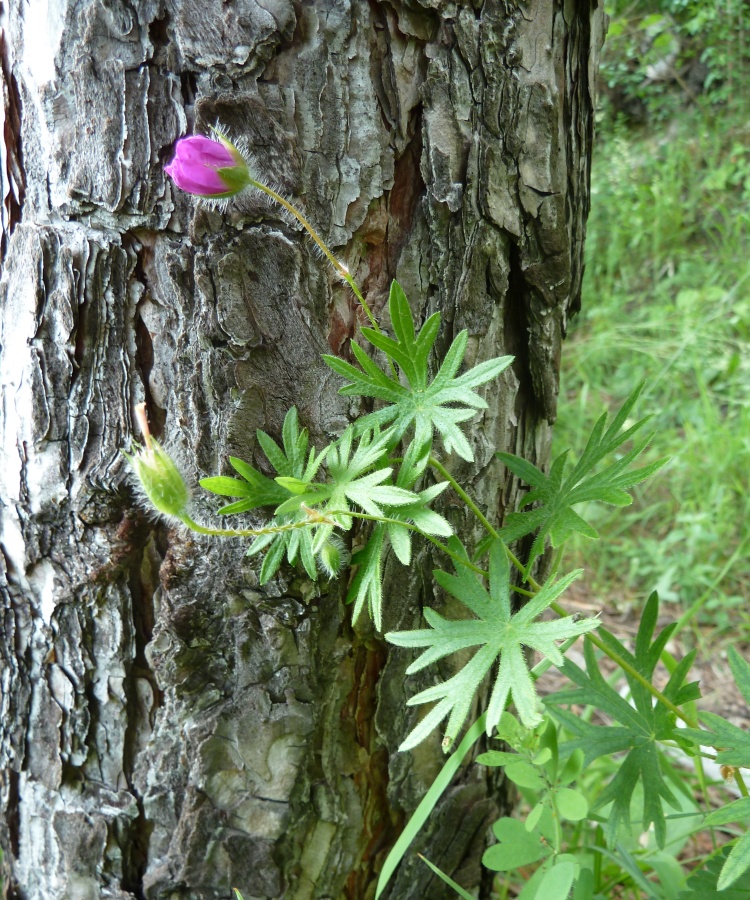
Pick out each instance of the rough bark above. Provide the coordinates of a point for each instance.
(169, 728)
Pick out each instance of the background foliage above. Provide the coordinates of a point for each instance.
(667, 299)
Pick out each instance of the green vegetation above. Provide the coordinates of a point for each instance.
(667, 299)
(610, 756)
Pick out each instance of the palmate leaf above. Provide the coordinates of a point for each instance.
(641, 725)
(366, 587)
(733, 746)
(255, 490)
(557, 493)
(733, 743)
(499, 633)
(356, 477)
(439, 405)
(703, 884)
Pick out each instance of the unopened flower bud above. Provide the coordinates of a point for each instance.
(161, 480)
(212, 168)
(333, 556)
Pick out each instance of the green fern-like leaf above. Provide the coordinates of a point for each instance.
(557, 493)
(439, 405)
(499, 633)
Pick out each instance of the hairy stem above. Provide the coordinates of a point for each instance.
(242, 532)
(337, 265)
(485, 522)
(464, 496)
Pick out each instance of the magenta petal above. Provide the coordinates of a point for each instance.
(195, 178)
(202, 149)
(193, 168)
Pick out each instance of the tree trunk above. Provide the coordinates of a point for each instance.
(170, 728)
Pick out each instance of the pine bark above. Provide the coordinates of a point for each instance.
(169, 728)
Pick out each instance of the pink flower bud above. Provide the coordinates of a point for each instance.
(209, 168)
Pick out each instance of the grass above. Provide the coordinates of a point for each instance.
(667, 299)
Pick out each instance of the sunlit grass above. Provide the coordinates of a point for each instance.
(667, 299)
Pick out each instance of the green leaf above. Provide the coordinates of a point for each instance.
(517, 847)
(571, 804)
(294, 473)
(427, 407)
(530, 888)
(254, 486)
(524, 775)
(572, 768)
(498, 633)
(272, 561)
(736, 811)
(641, 728)
(555, 494)
(366, 587)
(449, 881)
(367, 584)
(355, 476)
(557, 881)
(738, 862)
(497, 758)
(532, 820)
(703, 883)
(732, 743)
(584, 885)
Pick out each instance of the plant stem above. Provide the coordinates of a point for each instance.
(433, 540)
(330, 514)
(338, 266)
(241, 532)
(634, 673)
(464, 496)
(486, 524)
(631, 670)
(740, 782)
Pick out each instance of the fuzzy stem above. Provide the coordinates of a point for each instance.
(338, 266)
(464, 496)
(487, 525)
(433, 540)
(243, 532)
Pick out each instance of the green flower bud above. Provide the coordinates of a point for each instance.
(333, 556)
(161, 480)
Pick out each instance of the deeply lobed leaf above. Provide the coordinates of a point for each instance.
(437, 406)
(555, 494)
(500, 636)
(641, 726)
